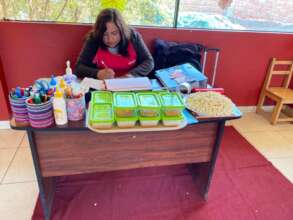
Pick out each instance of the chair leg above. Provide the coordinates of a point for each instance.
(260, 102)
(276, 112)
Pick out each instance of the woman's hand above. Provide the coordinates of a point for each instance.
(106, 73)
(128, 75)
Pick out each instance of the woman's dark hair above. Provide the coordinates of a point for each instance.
(99, 28)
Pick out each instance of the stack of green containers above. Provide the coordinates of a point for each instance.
(172, 107)
(149, 108)
(101, 111)
(127, 107)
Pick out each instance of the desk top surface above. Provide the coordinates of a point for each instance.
(81, 125)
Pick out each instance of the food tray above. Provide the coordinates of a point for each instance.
(236, 113)
(137, 128)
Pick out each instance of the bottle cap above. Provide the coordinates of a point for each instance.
(58, 94)
(53, 81)
(62, 84)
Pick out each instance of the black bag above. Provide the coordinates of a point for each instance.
(168, 54)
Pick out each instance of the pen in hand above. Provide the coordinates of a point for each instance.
(106, 73)
(104, 64)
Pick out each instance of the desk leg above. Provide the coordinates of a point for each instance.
(203, 172)
(46, 184)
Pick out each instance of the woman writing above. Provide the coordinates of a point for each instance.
(113, 50)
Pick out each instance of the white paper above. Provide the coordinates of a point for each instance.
(128, 84)
(88, 83)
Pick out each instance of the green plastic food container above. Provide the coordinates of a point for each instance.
(126, 122)
(172, 104)
(101, 116)
(172, 121)
(148, 104)
(124, 104)
(101, 97)
(161, 91)
(149, 121)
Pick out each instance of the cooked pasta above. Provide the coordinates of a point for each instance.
(209, 104)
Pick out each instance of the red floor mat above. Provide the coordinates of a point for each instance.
(244, 186)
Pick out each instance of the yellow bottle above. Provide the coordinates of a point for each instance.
(62, 85)
(59, 106)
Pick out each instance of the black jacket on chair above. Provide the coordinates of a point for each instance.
(168, 54)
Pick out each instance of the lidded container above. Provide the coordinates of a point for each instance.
(126, 122)
(148, 104)
(101, 115)
(172, 104)
(102, 97)
(124, 104)
(172, 121)
(149, 121)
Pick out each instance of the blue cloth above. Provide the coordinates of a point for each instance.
(189, 117)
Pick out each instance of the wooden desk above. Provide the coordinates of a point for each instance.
(75, 149)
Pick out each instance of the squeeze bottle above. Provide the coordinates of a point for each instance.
(69, 77)
(59, 106)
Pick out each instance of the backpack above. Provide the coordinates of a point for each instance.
(168, 54)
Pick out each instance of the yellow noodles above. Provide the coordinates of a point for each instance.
(209, 104)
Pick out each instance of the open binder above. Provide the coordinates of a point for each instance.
(172, 77)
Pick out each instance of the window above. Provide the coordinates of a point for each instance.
(147, 12)
(258, 15)
(50, 10)
(205, 14)
(150, 12)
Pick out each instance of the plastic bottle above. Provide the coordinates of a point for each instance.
(69, 77)
(59, 106)
(62, 85)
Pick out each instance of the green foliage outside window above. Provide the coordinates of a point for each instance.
(260, 15)
(147, 12)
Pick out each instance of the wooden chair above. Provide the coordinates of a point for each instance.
(281, 95)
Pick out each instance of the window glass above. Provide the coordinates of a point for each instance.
(150, 12)
(259, 15)
(147, 12)
(84, 11)
(255, 15)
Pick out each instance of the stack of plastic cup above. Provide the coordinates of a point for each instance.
(19, 109)
(40, 115)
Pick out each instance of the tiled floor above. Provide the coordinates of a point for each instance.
(18, 187)
(275, 142)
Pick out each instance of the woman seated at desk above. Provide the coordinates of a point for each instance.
(112, 49)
